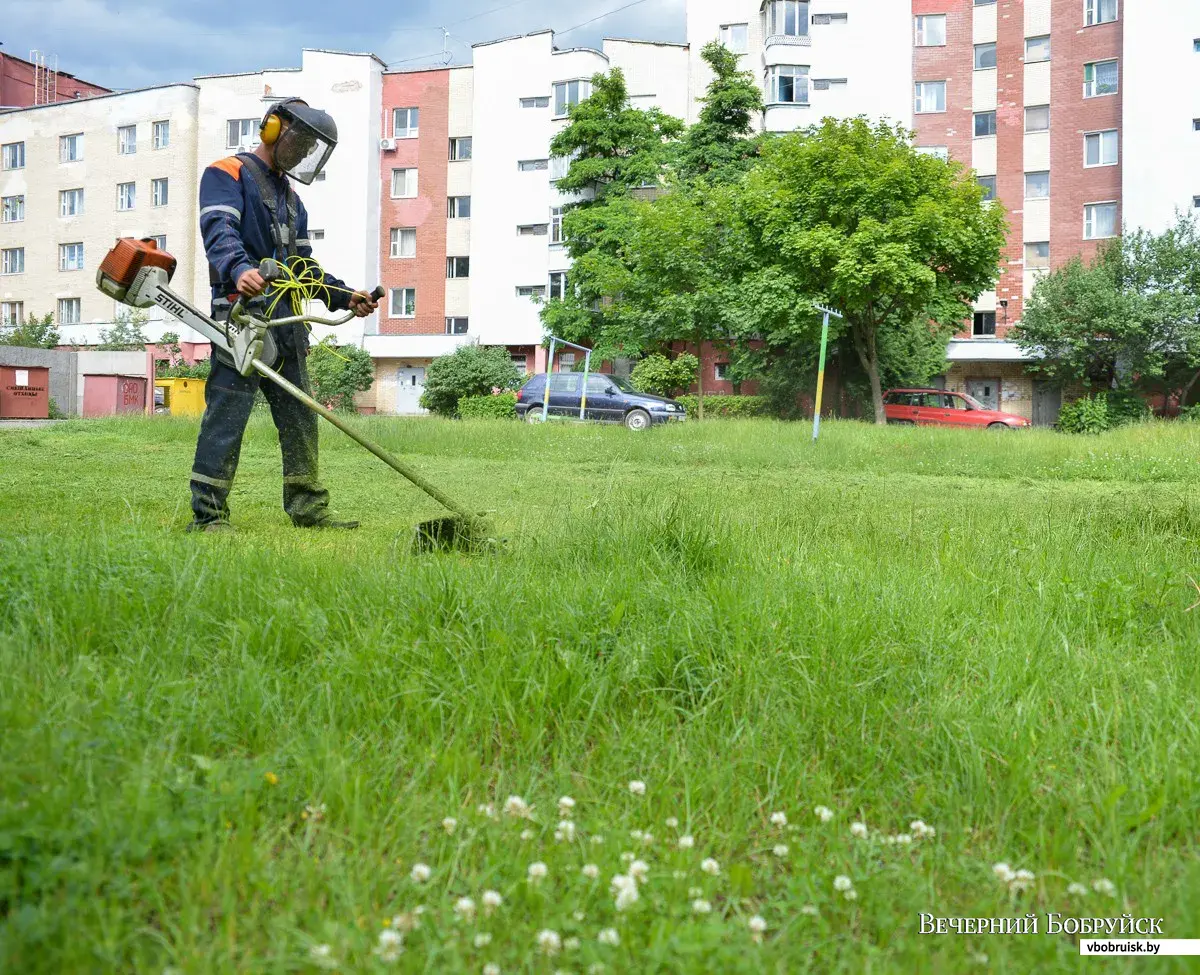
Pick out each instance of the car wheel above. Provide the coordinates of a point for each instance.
(534, 415)
(637, 420)
(999, 426)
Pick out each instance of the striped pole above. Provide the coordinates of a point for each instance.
(821, 368)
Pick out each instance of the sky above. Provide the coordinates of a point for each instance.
(123, 44)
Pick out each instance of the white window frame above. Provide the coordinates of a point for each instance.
(14, 151)
(76, 307)
(127, 140)
(1089, 88)
(12, 313)
(975, 56)
(70, 256)
(12, 260)
(533, 229)
(1035, 243)
(532, 165)
(937, 152)
(399, 236)
(1030, 108)
(1049, 49)
(772, 19)
(799, 74)
(583, 91)
(556, 286)
(450, 325)
(556, 225)
(408, 297)
(410, 177)
(249, 126)
(453, 205)
(70, 148)
(727, 36)
(12, 208)
(162, 134)
(456, 148)
(452, 267)
(531, 291)
(160, 241)
(921, 30)
(995, 188)
(1099, 135)
(1116, 225)
(76, 196)
(122, 196)
(411, 127)
(160, 192)
(536, 101)
(919, 97)
(1038, 172)
(975, 128)
(1092, 10)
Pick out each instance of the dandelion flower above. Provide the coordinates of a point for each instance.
(449, 824)
(637, 787)
(639, 870)
(1004, 872)
(780, 850)
(685, 842)
(701, 906)
(464, 907)
(537, 872)
(517, 807)
(811, 910)
(609, 936)
(823, 813)
(710, 866)
(842, 882)
(858, 830)
(548, 941)
(1105, 887)
(420, 873)
(571, 944)
(526, 835)
(1077, 890)
(273, 779)
(625, 890)
(483, 939)
(779, 819)
(566, 806)
(672, 822)
(491, 968)
(491, 900)
(591, 871)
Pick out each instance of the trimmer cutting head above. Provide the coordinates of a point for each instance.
(455, 534)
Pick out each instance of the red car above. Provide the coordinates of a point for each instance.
(936, 407)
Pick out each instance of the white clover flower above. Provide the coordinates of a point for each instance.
(487, 809)
(565, 832)
(647, 839)
(904, 839)
(757, 927)
(1004, 872)
(1105, 887)
(579, 916)
(980, 958)
(672, 822)
(566, 806)
(391, 943)
(491, 968)
(701, 906)
(571, 944)
(823, 813)
(842, 882)
(678, 874)
(625, 890)
(537, 872)
(596, 968)
(464, 907)
(516, 807)
(639, 870)
(780, 850)
(637, 787)
(609, 936)
(685, 842)
(636, 835)
(779, 819)
(1077, 890)
(851, 894)
(320, 953)
(628, 857)
(710, 866)
(694, 892)
(1021, 880)
(420, 873)
(409, 921)
(548, 941)
(597, 840)
(591, 871)
(922, 830)
(491, 900)
(526, 835)
(483, 939)
(315, 812)
(858, 830)
(449, 824)
(811, 910)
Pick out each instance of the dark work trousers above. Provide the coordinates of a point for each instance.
(228, 399)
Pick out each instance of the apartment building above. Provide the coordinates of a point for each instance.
(37, 81)
(76, 175)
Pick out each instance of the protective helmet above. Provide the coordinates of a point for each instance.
(303, 138)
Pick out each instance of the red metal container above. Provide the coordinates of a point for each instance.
(24, 392)
(106, 395)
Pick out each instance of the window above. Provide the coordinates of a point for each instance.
(989, 187)
(931, 30)
(404, 242)
(538, 101)
(12, 209)
(405, 123)
(1099, 220)
(787, 84)
(1099, 12)
(458, 267)
(12, 156)
(241, 133)
(162, 135)
(985, 124)
(1037, 49)
(459, 208)
(158, 192)
(736, 37)
(1196, 202)
(70, 257)
(12, 260)
(70, 311)
(533, 230)
(985, 56)
(930, 97)
(786, 18)
(70, 203)
(532, 165)
(1196, 125)
(721, 371)
(531, 291)
(127, 140)
(1037, 254)
(558, 285)
(1037, 118)
(403, 303)
(460, 149)
(456, 326)
(404, 184)
(126, 196)
(12, 313)
(568, 94)
(1100, 148)
(828, 84)
(561, 165)
(521, 362)
(831, 18)
(1037, 186)
(938, 152)
(160, 241)
(70, 148)
(1100, 78)
(556, 218)
(316, 235)
(984, 325)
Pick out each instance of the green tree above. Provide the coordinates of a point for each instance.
(849, 214)
(662, 376)
(470, 370)
(127, 333)
(174, 366)
(32, 333)
(338, 372)
(721, 145)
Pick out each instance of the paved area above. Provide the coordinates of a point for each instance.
(26, 424)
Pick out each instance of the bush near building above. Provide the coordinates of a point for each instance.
(728, 407)
(502, 406)
(472, 370)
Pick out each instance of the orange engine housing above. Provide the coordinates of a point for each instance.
(130, 255)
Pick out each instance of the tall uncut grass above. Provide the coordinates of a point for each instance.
(283, 751)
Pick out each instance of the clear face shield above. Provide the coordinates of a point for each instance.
(306, 143)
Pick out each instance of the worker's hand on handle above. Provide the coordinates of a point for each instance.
(363, 304)
(251, 284)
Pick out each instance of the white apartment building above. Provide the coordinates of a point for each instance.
(814, 58)
(74, 176)
(1161, 112)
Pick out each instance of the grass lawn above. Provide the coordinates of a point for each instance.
(218, 754)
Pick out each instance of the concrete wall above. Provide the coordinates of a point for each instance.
(64, 370)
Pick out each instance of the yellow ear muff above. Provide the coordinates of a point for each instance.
(270, 129)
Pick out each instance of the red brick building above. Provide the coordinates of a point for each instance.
(24, 84)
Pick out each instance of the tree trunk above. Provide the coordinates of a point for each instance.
(868, 355)
(700, 382)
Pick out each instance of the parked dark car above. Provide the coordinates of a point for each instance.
(610, 399)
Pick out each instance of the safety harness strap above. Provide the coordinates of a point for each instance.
(284, 235)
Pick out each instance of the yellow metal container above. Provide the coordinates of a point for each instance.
(179, 397)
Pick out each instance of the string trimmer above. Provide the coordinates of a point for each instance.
(136, 273)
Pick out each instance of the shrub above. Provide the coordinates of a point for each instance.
(503, 406)
(55, 413)
(662, 376)
(1087, 415)
(471, 370)
(338, 372)
(1190, 413)
(729, 407)
(1125, 408)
